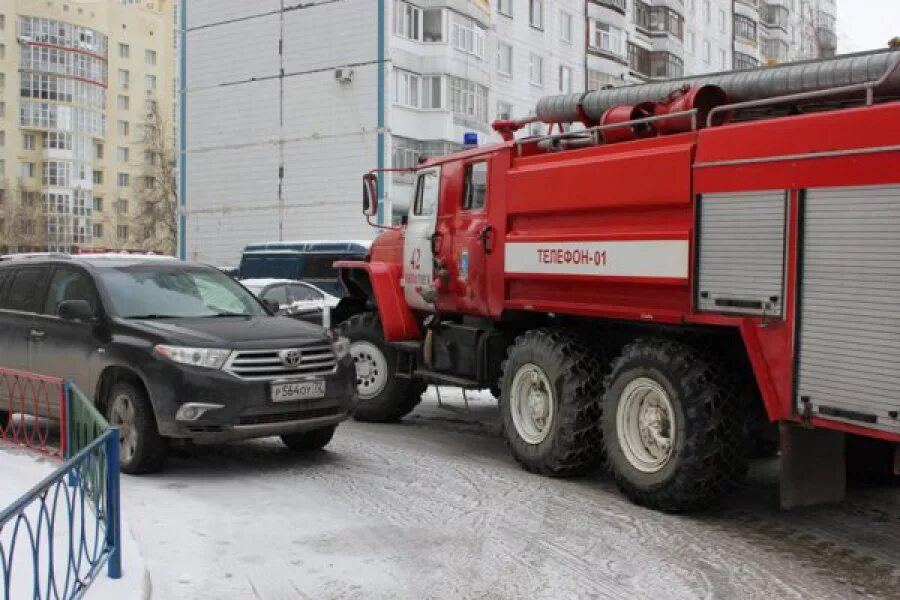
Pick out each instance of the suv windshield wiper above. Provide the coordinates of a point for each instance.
(153, 316)
(225, 314)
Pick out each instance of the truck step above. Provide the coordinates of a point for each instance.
(411, 346)
(445, 379)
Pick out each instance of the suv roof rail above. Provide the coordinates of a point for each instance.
(35, 255)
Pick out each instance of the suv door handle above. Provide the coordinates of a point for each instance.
(36, 335)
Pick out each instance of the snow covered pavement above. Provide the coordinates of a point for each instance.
(435, 507)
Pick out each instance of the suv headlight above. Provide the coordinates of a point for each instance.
(341, 346)
(210, 358)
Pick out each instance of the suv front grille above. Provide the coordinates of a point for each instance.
(267, 365)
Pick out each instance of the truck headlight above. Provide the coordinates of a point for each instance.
(209, 358)
(341, 346)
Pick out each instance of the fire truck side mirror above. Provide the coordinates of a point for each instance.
(370, 195)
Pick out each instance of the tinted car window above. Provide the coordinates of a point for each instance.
(303, 293)
(276, 293)
(27, 289)
(69, 284)
(5, 277)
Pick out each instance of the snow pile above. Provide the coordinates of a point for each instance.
(21, 471)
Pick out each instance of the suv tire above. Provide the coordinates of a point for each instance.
(309, 440)
(141, 448)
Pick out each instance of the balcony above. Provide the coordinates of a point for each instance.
(617, 5)
(775, 16)
(827, 40)
(754, 4)
(639, 60)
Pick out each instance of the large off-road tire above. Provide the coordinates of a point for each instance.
(674, 426)
(309, 440)
(384, 396)
(550, 401)
(141, 448)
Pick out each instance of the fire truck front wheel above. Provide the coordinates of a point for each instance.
(384, 396)
(674, 426)
(550, 392)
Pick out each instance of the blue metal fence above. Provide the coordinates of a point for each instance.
(57, 537)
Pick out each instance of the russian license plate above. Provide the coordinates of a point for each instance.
(299, 390)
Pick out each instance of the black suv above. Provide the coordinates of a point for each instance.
(170, 349)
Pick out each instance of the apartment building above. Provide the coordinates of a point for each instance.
(281, 126)
(77, 81)
(288, 104)
(632, 41)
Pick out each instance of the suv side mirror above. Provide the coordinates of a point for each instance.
(273, 306)
(370, 195)
(75, 310)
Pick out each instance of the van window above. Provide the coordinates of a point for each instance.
(27, 289)
(475, 186)
(69, 284)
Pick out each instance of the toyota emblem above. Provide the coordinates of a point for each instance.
(290, 358)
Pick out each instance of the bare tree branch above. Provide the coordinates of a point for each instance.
(156, 190)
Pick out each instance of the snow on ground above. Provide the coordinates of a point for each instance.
(435, 507)
(21, 470)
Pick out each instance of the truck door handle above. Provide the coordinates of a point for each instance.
(36, 335)
(484, 236)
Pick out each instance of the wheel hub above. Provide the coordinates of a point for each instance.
(646, 425)
(532, 404)
(371, 369)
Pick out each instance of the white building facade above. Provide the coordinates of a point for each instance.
(287, 105)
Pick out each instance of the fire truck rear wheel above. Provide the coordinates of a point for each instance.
(550, 402)
(384, 397)
(674, 426)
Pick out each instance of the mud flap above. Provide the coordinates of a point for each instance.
(813, 466)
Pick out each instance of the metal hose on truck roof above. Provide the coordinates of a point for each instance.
(740, 86)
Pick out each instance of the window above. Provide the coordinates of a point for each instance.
(607, 38)
(666, 20)
(690, 42)
(598, 80)
(98, 151)
(276, 293)
(57, 140)
(123, 128)
(149, 182)
(504, 59)
(565, 79)
(122, 154)
(475, 186)
(707, 51)
(504, 110)
(122, 232)
(665, 65)
(124, 77)
(150, 157)
(432, 25)
(468, 99)
(150, 57)
(427, 193)
(432, 93)
(505, 7)
(745, 28)
(406, 89)
(124, 51)
(28, 142)
(406, 20)
(565, 26)
(536, 13)
(638, 59)
(150, 107)
(98, 204)
(707, 11)
(642, 14)
(122, 102)
(25, 291)
(745, 61)
(536, 70)
(2, 51)
(97, 230)
(69, 284)
(123, 179)
(304, 293)
(150, 82)
(723, 59)
(98, 177)
(775, 50)
(722, 21)
(27, 169)
(468, 37)
(57, 173)
(122, 206)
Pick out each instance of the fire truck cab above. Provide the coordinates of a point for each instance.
(688, 281)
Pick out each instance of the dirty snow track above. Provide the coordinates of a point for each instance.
(436, 508)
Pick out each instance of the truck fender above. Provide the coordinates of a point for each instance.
(397, 320)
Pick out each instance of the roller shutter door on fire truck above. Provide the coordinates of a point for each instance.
(849, 322)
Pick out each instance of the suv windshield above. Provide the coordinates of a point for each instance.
(176, 291)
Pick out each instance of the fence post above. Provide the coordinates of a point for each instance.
(113, 507)
(66, 433)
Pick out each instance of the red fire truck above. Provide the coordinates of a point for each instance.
(700, 268)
